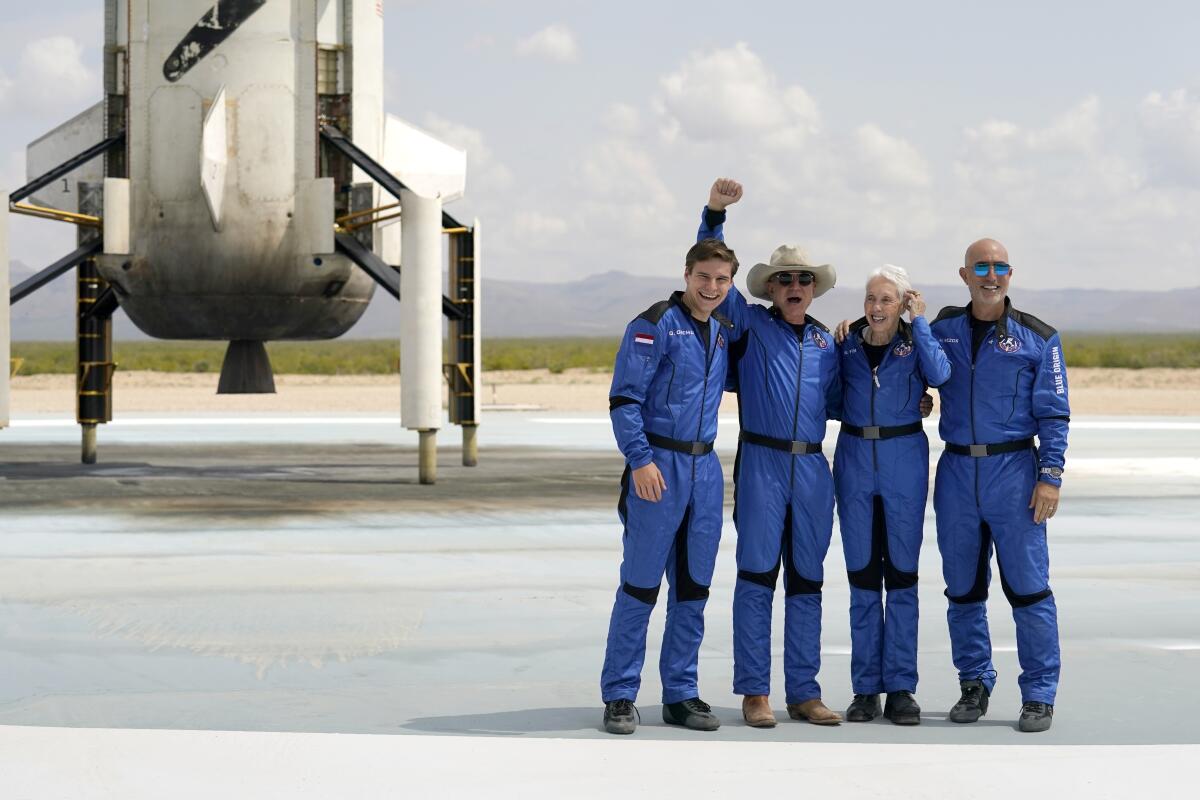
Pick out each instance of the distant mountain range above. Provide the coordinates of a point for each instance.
(601, 305)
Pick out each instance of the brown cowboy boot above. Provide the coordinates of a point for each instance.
(814, 711)
(756, 710)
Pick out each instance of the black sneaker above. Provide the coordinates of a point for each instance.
(621, 716)
(1035, 717)
(863, 708)
(694, 713)
(902, 709)
(973, 703)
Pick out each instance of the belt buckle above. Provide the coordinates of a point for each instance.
(697, 448)
(979, 450)
(798, 448)
(871, 432)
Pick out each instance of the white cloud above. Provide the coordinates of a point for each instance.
(1066, 158)
(1170, 125)
(623, 190)
(536, 225)
(52, 76)
(484, 172)
(888, 160)
(623, 119)
(723, 94)
(554, 42)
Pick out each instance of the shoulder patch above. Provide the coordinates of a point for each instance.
(949, 312)
(655, 312)
(1032, 323)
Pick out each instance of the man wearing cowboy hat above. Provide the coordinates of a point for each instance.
(785, 367)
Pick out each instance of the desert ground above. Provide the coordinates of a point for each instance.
(1094, 392)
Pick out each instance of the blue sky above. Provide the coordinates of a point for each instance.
(867, 132)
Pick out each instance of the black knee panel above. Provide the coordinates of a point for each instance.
(794, 583)
(979, 589)
(648, 596)
(766, 579)
(1022, 600)
(869, 578)
(686, 589)
(897, 579)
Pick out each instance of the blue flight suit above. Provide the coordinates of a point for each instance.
(788, 385)
(1013, 388)
(881, 471)
(666, 389)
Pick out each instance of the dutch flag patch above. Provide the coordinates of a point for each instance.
(643, 338)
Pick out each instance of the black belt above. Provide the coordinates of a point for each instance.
(795, 448)
(679, 446)
(981, 450)
(881, 431)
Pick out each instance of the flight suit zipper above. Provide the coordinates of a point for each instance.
(704, 394)
(796, 408)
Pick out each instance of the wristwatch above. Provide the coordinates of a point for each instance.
(1053, 472)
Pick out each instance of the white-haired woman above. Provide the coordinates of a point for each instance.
(881, 477)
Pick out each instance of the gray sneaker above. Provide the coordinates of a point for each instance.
(621, 716)
(1035, 717)
(973, 703)
(694, 713)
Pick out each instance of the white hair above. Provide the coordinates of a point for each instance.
(897, 275)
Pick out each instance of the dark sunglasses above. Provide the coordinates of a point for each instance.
(786, 278)
(982, 268)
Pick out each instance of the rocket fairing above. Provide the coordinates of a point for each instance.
(231, 197)
(222, 193)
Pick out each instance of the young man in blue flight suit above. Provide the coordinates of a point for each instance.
(994, 488)
(667, 384)
(785, 368)
(881, 471)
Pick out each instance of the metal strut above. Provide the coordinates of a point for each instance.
(32, 284)
(383, 273)
(65, 167)
(391, 184)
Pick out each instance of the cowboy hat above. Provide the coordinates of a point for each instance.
(789, 258)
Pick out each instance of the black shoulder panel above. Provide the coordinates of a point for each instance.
(723, 320)
(1033, 323)
(810, 321)
(949, 312)
(655, 312)
(858, 324)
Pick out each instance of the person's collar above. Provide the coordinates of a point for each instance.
(904, 330)
(1002, 323)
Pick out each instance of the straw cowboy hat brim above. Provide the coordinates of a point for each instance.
(789, 258)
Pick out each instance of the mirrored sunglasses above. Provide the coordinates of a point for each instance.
(982, 268)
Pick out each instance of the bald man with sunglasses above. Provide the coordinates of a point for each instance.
(995, 486)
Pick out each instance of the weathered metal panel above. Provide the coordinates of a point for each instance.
(69, 139)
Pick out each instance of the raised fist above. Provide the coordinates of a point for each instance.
(724, 193)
